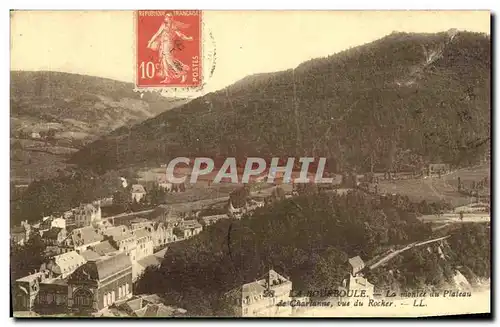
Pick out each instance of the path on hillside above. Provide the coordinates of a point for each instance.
(393, 253)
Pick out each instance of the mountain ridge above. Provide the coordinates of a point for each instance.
(381, 105)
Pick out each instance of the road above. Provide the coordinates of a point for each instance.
(394, 253)
(476, 217)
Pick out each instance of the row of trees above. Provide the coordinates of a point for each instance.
(70, 189)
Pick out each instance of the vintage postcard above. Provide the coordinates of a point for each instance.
(186, 163)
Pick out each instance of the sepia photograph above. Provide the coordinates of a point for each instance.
(171, 163)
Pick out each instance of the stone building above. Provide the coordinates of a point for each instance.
(144, 243)
(26, 290)
(259, 298)
(63, 265)
(188, 228)
(88, 214)
(21, 234)
(162, 234)
(99, 283)
(123, 239)
(137, 192)
(54, 236)
(53, 296)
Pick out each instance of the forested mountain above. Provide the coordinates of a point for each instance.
(395, 103)
(309, 239)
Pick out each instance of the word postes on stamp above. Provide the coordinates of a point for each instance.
(169, 49)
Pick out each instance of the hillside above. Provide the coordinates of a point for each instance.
(309, 239)
(54, 114)
(394, 103)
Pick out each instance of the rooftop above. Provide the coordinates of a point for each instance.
(190, 224)
(356, 263)
(150, 260)
(141, 233)
(149, 306)
(104, 248)
(90, 255)
(85, 235)
(67, 262)
(52, 233)
(138, 188)
(118, 233)
(102, 268)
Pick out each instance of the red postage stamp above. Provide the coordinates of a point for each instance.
(169, 48)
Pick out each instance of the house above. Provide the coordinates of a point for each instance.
(235, 212)
(188, 228)
(26, 290)
(138, 192)
(104, 248)
(100, 283)
(167, 186)
(20, 234)
(259, 298)
(356, 281)
(81, 238)
(54, 236)
(357, 265)
(64, 264)
(53, 296)
(144, 243)
(45, 224)
(210, 220)
(58, 222)
(138, 223)
(252, 205)
(88, 214)
(168, 214)
(162, 234)
(122, 239)
(150, 305)
(90, 255)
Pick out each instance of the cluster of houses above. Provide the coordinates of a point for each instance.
(272, 295)
(93, 262)
(238, 210)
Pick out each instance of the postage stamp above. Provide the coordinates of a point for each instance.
(169, 48)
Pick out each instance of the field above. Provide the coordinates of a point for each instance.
(436, 189)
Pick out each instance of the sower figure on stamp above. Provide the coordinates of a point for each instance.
(166, 42)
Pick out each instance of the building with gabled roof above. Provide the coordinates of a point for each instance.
(259, 298)
(64, 264)
(188, 228)
(88, 215)
(54, 236)
(123, 239)
(104, 248)
(81, 238)
(138, 192)
(145, 244)
(150, 305)
(90, 255)
(99, 283)
(210, 220)
(357, 265)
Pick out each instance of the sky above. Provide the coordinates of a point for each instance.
(102, 43)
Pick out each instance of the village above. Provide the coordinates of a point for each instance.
(94, 259)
